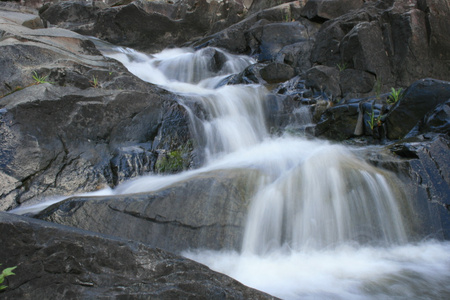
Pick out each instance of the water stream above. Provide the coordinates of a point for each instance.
(323, 223)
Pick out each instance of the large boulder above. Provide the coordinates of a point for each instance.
(245, 36)
(320, 10)
(61, 140)
(421, 98)
(394, 40)
(68, 113)
(421, 164)
(145, 25)
(421, 108)
(59, 262)
(180, 216)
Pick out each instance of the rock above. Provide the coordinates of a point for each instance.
(387, 39)
(355, 82)
(177, 217)
(27, 20)
(362, 48)
(66, 113)
(255, 6)
(132, 161)
(437, 120)
(245, 36)
(321, 10)
(420, 98)
(422, 166)
(161, 24)
(297, 55)
(270, 39)
(59, 262)
(324, 79)
(250, 75)
(276, 72)
(338, 122)
(70, 135)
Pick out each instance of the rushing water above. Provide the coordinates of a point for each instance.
(323, 223)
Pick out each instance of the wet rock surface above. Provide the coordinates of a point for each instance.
(72, 120)
(175, 218)
(66, 115)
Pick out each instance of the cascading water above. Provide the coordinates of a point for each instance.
(323, 224)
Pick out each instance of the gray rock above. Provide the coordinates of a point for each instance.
(276, 72)
(178, 217)
(355, 82)
(24, 19)
(320, 10)
(421, 164)
(271, 38)
(245, 36)
(390, 39)
(324, 79)
(420, 98)
(66, 114)
(59, 262)
(145, 25)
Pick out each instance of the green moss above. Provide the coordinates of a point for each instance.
(174, 161)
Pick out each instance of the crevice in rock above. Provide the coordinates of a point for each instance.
(171, 222)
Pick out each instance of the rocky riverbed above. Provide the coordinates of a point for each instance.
(372, 74)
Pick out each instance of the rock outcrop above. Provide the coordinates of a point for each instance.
(145, 25)
(206, 210)
(67, 121)
(59, 262)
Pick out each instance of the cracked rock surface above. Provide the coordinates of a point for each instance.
(59, 262)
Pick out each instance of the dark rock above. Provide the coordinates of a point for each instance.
(145, 25)
(324, 79)
(422, 166)
(250, 75)
(338, 122)
(362, 48)
(391, 41)
(276, 72)
(177, 217)
(269, 39)
(132, 161)
(321, 10)
(245, 36)
(71, 135)
(68, 135)
(437, 120)
(59, 262)
(355, 82)
(297, 55)
(420, 98)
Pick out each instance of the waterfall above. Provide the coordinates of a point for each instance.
(312, 195)
(323, 224)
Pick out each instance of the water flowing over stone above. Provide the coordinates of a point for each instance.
(312, 194)
(315, 205)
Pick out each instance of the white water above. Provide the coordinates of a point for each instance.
(323, 225)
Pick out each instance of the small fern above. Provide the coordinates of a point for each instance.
(6, 272)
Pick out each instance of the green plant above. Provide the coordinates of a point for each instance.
(372, 121)
(40, 79)
(6, 272)
(341, 66)
(94, 82)
(394, 96)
